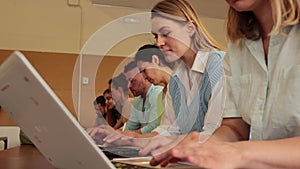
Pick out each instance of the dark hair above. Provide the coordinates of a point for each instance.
(109, 82)
(100, 100)
(146, 52)
(106, 91)
(120, 81)
(131, 65)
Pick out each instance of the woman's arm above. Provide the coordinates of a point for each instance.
(232, 129)
(284, 153)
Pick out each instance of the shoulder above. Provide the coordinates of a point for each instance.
(156, 88)
(154, 93)
(292, 30)
(216, 54)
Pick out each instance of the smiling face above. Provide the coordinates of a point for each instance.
(172, 37)
(109, 101)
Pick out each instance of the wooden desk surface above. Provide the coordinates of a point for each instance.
(23, 157)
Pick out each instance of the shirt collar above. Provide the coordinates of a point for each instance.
(198, 65)
(200, 62)
(149, 90)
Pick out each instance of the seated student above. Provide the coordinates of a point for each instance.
(119, 90)
(151, 61)
(99, 105)
(147, 106)
(112, 113)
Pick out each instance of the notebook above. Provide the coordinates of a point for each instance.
(42, 116)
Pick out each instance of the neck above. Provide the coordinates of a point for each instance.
(266, 22)
(189, 58)
(264, 18)
(144, 95)
(166, 76)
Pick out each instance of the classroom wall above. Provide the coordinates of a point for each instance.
(64, 26)
(53, 33)
(58, 71)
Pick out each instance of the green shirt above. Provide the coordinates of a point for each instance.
(147, 117)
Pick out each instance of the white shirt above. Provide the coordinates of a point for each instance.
(266, 97)
(213, 116)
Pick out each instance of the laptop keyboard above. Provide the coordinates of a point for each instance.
(121, 152)
(119, 165)
(118, 152)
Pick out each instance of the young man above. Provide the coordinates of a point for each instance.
(148, 104)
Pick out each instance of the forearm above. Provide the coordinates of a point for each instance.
(152, 134)
(270, 154)
(232, 129)
(224, 133)
(149, 127)
(119, 124)
(131, 125)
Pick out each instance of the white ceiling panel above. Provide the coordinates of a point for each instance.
(206, 8)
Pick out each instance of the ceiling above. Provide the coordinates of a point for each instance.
(205, 8)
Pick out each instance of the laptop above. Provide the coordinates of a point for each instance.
(42, 116)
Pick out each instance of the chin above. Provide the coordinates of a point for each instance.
(171, 59)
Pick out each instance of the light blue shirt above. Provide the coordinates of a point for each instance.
(265, 96)
(147, 116)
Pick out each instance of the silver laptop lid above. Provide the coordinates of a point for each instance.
(31, 103)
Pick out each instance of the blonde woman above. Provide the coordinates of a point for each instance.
(261, 124)
(193, 100)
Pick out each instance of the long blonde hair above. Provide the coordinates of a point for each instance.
(245, 25)
(175, 9)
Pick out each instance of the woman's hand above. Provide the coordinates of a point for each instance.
(207, 154)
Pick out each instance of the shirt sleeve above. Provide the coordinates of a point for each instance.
(168, 126)
(231, 86)
(154, 110)
(149, 127)
(133, 121)
(213, 116)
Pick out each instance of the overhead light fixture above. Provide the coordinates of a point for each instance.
(132, 20)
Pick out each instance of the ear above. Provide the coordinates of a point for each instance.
(155, 59)
(191, 28)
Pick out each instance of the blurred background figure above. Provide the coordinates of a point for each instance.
(150, 60)
(112, 114)
(119, 90)
(100, 107)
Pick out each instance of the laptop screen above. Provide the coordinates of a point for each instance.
(33, 106)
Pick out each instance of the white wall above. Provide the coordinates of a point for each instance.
(60, 26)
